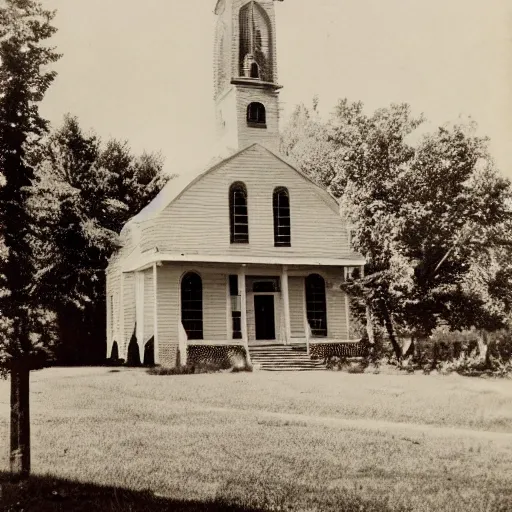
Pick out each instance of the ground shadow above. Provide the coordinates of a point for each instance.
(48, 494)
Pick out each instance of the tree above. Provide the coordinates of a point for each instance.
(88, 192)
(307, 141)
(24, 337)
(431, 214)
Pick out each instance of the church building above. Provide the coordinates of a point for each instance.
(246, 251)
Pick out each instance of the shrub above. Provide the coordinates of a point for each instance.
(187, 369)
(177, 370)
(197, 368)
(341, 363)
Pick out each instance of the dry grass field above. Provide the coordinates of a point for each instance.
(120, 439)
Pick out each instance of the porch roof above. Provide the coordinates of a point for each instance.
(144, 261)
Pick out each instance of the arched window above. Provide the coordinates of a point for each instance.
(256, 114)
(316, 308)
(238, 215)
(192, 305)
(282, 229)
(255, 41)
(255, 70)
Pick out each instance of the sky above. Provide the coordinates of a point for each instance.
(143, 71)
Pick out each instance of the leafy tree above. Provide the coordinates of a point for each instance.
(89, 191)
(24, 79)
(307, 140)
(431, 215)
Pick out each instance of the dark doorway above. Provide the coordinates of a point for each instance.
(264, 315)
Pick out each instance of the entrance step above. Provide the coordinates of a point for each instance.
(283, 358)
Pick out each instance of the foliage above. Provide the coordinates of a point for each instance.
(430, 212)
(196, 368)
(25, 334)
(84, 192)
(350, 365)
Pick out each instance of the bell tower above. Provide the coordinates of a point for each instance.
(245, 74)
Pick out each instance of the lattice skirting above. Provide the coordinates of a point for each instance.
(226, 356)
(325, 350)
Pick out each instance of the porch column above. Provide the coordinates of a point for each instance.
(286, 306)
(243, 303)
(122, 344)
(140, 335)
(155, 314)
(307, 328)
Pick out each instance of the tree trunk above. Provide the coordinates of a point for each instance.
(391, 333)
(20, 421)
(482, 344)
(369, 325)
(408, 347)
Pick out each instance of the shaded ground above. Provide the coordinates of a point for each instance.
(285, 441)
(41, 494)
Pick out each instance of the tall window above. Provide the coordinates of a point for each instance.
(256, 114)
(282, 230)
(238, 215)
(316, 308)
(192, 305)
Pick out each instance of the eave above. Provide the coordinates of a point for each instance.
(147, 260)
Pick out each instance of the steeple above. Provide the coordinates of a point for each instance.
(245, 74)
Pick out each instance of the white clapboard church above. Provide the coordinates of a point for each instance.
(245, 251)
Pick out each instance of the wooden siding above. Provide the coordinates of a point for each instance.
(113, 290)
(214, 306)
(123, 315)
(336, 307)
(149, 306)
(128, 311)
(296, 293)
(247, 135)
(198, 220)
(168, 303)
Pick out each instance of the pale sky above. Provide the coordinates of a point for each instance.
(142, 71)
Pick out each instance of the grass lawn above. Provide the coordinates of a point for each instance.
(125, 440)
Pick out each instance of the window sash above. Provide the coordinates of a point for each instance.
(282, 218)
(192, 306)
(316, 305)
(239, 215)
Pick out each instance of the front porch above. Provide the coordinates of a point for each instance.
(179, 305)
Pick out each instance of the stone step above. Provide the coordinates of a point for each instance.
(287, 363)
(280, 354)
(284, 358)
(287, 352)
(292, 369)
(273, 347)
(277, 351)
(282, 361)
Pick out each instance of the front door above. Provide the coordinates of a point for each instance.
(264, 316)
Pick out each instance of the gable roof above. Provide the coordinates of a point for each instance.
(175, 187)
